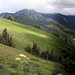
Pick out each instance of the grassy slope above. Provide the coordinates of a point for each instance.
(24, 35)
(8, 54)
(62, 33)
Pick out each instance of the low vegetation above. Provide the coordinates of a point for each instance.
(38, 43)
(20, 63)
(66, 56)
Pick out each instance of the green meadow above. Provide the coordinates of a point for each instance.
(23, 35)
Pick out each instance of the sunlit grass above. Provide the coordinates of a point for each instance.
(24, 35)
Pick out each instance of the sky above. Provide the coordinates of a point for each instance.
(66, 7)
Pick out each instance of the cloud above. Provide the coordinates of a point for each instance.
(66, 7)
(44, 6)
(16, 5)
(62, 3)
(68, 11)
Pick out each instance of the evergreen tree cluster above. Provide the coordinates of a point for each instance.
(69, 59)
(37, 26)
(66, 56)
(5, 39)
(35, 50)
(49, 55)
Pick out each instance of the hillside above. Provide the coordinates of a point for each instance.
(61, 47)
(65, 20)
(31, 17)
(43, 67)
(24, 35)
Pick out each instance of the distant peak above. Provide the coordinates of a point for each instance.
(28, 11)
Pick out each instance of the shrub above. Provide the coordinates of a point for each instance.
(14, 65)
(1, 66)
(13, 73)
(36, 65)
(10, 17)
(26, 69)
(27, 64)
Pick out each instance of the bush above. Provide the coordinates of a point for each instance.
(1, 66)
(27, 69)
(10, 17)
(13, 73)
(14, 65)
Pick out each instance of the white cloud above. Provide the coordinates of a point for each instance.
(47, 6)
(62, 3)
(70, 11)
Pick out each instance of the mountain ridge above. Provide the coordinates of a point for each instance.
(31, 17)
(24, 35)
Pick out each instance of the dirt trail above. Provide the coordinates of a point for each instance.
(40, 35)
(35, 33)
(74, 39)
(7, 51)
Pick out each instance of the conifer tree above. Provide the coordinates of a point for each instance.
(38, 51)
(4, 34)
(28, 48)
(51, 54)
(10, 41)
(42, 54)
(5, 39)
(34, 48)
(2, 41)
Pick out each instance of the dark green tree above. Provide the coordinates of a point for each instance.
(2, 41)
(38, 51)
(5, 39)
(4, 34)
(10, 42)
(10, 17)
(28, 49)
(42, 54)
(35, 26)
(68, 59)
(39, 27)
(34, 48)
(51, 54)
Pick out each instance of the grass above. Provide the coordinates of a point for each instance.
(43, 67)
(24, 35)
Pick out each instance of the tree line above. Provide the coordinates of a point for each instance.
(66, 56)
(37, 26)
(6, 39)
(35, 50)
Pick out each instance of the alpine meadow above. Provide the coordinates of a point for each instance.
(37, 37)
